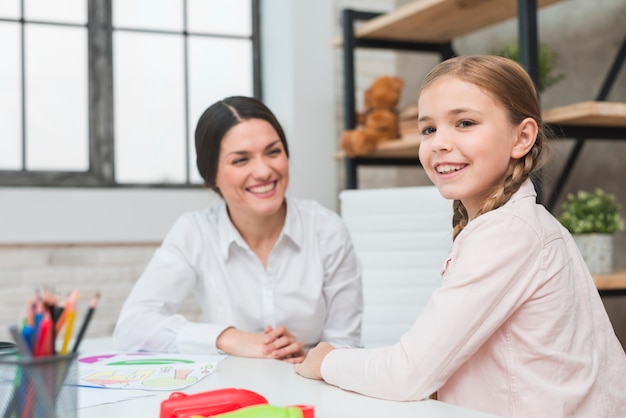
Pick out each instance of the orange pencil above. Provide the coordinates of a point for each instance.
(63, 317)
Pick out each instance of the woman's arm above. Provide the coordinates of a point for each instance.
(149, 319)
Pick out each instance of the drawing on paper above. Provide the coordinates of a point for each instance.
(143, 370)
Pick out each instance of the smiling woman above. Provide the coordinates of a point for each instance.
(272, 274)
(253, 171)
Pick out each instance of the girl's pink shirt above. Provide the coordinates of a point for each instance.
(517, 328)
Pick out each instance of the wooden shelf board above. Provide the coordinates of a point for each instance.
(438, 21)
(591, 113)
(405, 147)
(610, 281)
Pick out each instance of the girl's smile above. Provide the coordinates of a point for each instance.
(444, 169)
(467, 142)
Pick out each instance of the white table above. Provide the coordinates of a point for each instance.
(280, 385)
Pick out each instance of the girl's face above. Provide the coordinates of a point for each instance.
(468, 141)
(253, 170)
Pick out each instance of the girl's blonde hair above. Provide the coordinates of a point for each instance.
(510, 85)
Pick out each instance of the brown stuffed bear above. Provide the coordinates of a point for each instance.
(379, 121)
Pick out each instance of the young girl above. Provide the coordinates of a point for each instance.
(517, 328)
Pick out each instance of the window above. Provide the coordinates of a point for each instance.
(109, 94)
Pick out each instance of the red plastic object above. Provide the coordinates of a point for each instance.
(206, 404)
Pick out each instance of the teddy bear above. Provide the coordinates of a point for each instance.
(378, 122)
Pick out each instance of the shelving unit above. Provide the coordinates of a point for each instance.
(594, 119)
(612, 284)
(430, 26)
(440, 21)
(405, 147)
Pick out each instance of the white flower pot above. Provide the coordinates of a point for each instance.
(597, 250)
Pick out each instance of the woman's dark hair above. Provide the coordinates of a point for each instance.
(217, 120)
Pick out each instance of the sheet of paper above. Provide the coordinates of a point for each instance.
(88, 396)
(144, 370)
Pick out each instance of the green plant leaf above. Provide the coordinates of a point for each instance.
(547, 63)
(586, 213)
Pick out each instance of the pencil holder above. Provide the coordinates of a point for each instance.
(42, 387)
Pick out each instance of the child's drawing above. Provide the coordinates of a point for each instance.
(142, 370)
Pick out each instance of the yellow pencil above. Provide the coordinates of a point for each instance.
(71, 314)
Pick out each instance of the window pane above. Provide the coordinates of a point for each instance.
(218, 68)
(65, 11)
(149, 108)
(10, 9)
(10, 98)
(56, 98)
(148, 14)
(230, 17)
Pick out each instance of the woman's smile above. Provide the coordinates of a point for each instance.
(263, 189)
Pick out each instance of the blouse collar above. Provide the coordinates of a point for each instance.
(293, 229)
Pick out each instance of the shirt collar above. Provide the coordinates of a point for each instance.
(293, 230)
(527, 189)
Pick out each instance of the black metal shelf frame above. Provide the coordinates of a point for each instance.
(581, 133)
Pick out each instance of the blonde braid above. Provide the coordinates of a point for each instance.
(459, 218)
(520, 172)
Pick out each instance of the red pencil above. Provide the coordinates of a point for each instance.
(44, 337)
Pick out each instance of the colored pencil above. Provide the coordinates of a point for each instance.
(92, 307)
(44, 338)
(62, 317)
(70, 308)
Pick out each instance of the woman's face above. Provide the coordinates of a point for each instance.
(253, 170)
(468, 141)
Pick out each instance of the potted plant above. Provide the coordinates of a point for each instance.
(592, 218)
(546, 60)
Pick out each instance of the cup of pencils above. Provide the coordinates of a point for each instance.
(44, 369)
(43, 387)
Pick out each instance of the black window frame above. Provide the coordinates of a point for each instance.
(101, 172)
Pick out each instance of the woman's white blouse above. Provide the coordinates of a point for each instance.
(311, 284)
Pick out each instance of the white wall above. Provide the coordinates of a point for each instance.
(298, 87)
(49, 215)
(298, 83)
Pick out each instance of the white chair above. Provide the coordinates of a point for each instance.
(402, 237)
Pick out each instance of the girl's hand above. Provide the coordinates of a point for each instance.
(312, 364)
(280, 344)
